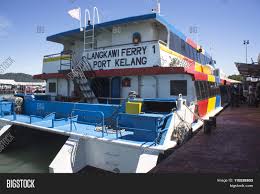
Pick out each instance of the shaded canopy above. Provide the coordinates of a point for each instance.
(248, 70)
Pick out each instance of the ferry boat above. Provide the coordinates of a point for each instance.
(123, 92)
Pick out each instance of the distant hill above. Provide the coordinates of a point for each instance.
(19, 77)
(236, 77)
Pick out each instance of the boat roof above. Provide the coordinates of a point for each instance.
(153, 16)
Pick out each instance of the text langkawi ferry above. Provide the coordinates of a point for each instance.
(142, 87)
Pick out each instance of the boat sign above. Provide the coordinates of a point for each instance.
(128, 56)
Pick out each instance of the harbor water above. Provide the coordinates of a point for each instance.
(32, 152)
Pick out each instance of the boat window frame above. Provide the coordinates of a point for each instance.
(173, 86)
(198, 89)
(49, 88)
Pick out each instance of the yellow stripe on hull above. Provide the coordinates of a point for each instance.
(167, 50)
(52, 59)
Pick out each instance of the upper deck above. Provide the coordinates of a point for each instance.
(160, 45)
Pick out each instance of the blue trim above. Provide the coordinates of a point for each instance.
(124, 21)
(106, 24)
(171, 28)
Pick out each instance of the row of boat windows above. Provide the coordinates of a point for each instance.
(205, 89)
(180, 46)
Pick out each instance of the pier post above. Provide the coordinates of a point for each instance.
(207, 126)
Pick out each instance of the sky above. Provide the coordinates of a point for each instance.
(222, 26)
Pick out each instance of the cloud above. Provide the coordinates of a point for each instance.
(5, 24)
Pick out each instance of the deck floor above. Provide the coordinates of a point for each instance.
(233, 147)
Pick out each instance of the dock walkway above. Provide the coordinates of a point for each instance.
(233, 147)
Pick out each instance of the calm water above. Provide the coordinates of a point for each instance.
(30, 152)
(33, 151)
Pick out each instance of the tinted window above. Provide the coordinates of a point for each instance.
(204, 89)
(202, 59)
(211, 89)
(175, 43)
(198, 90)
(178, 87)
(190, 52)
(198, 57)
(183, 47)
(52, 87)
(194, 54)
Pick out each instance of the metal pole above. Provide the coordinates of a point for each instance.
(246, 53)
(246, 42)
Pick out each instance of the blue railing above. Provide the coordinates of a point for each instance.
(153, 127)
(87, 119)
(7, 107)
(35, 118)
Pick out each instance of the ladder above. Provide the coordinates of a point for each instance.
(83, 82)
(89, 39)
(82, 71)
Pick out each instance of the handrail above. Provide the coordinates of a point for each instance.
(41, 117)
(101, 113)
(63, 119)
(108, 99)
(57, 54)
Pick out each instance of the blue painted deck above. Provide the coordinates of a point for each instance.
(78, 128)
(91, 120)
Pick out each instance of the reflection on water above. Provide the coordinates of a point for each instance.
(31, 151)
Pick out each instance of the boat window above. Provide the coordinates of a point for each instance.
(126, 82)
(183, 50)
(211, 89)
(178, 87)
(205, 60)
(180, 46)
(189, 51)
(204, 89)
(192, 53)
(198, 57)
(136, 38)
(195, 54)
(175, 43)
(158, 107)
(217, 89)
(52, 87)
(202, 59)
(198, 90)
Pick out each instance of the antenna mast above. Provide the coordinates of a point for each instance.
(158, 7)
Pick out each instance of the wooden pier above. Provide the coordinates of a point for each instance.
(233, 147)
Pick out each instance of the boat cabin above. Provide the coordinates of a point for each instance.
(142, 54)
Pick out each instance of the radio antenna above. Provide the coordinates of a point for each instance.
(158, 7)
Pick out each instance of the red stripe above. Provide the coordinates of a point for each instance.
(121, 72)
